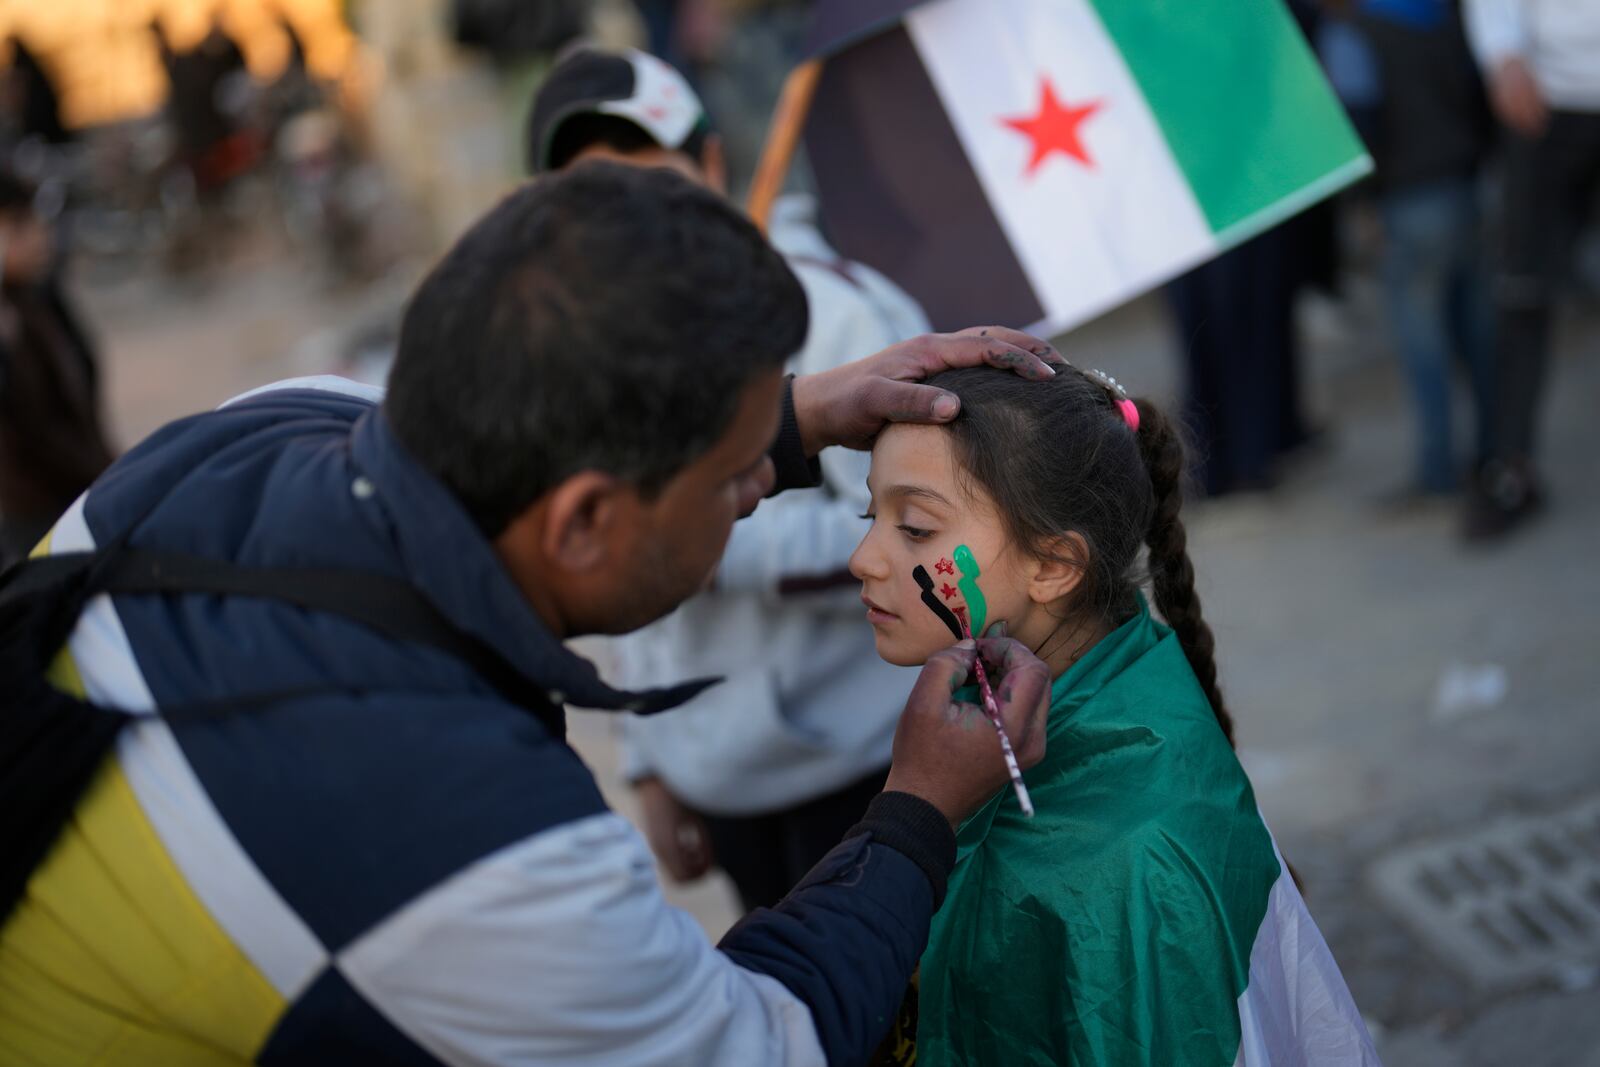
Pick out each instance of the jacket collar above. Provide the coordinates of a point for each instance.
(448, 560)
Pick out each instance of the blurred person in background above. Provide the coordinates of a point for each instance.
(762, 773)
(206, 108)
(1236, 326)
(30, 107)
(1541, 59)
(52, 444)
(1428, 127)
(197, 104)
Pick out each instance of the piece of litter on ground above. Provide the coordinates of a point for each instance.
(1468, 688)
(1577, 977)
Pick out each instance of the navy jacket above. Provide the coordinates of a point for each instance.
(417, 869)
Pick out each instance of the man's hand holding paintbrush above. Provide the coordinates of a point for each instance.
(944, 748)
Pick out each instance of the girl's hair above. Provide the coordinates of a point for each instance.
(1058, 458)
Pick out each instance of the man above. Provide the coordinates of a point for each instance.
(764, 773)
(1540, 60)
(317, 841)
(52, 443)
(1428, 128)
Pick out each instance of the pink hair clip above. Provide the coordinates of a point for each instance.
(1130, 413)
(1119, 396)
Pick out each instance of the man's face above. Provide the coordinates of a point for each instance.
(669, 549)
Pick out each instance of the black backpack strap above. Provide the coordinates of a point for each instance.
(388, 605)
(29, 576)
(51, 743)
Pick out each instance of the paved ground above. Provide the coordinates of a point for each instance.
(1336, 623)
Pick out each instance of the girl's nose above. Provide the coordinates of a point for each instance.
(865, 562)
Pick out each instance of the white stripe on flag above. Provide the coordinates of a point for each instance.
(1089, 236)
(1296, 1008)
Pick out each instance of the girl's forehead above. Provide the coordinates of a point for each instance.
(904, 452)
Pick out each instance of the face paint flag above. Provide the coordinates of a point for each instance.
(1037, 162)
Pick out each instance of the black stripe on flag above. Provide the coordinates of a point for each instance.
(836, 24)
(898, 194)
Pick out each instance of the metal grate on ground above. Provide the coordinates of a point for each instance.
(1514, 901)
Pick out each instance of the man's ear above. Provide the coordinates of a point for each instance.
(583, 519)
(714, 162)
(1060, 570)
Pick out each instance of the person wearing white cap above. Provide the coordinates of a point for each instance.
(759, 775)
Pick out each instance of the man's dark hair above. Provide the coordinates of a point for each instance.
(605, 318)
(615, 132)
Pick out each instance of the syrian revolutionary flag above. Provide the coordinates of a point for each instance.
(1037, 162)
(1142, 915)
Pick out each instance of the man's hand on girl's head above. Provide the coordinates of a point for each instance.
(946, 750)
(851, 403)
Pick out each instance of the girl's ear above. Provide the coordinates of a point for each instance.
(1060, 569)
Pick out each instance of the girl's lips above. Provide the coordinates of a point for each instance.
(877, 614)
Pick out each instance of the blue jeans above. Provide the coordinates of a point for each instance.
(1438, 296)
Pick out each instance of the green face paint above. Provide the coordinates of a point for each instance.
(977, 607)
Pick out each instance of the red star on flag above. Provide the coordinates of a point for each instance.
(1055, 128)
(944, 566)
(948, 590)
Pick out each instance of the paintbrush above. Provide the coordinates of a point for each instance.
(992, 710)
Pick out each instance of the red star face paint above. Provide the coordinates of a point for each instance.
(944, 566)
(929, 597)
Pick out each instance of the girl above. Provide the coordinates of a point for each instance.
(1143, 916)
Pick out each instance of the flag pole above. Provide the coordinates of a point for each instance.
(783, 136)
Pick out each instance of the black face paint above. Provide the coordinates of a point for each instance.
(930, 598)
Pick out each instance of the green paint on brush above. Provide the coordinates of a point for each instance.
(977, 607)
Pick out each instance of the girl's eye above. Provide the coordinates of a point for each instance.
(869, 516)
(914, 533)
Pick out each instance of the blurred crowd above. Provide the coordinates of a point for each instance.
(1481, 115)
(162, 187)
(169, 190)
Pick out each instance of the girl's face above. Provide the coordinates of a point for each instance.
(922, 516)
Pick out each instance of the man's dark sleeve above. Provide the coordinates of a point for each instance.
(846, 939)
(795, 469)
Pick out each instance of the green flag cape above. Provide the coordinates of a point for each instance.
(1126, 921)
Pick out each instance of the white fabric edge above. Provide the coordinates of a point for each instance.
(1296, 1008)
(326, 383)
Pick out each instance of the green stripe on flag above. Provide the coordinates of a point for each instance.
(1242, 103)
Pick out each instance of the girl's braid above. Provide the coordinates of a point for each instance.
(1171, 572)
